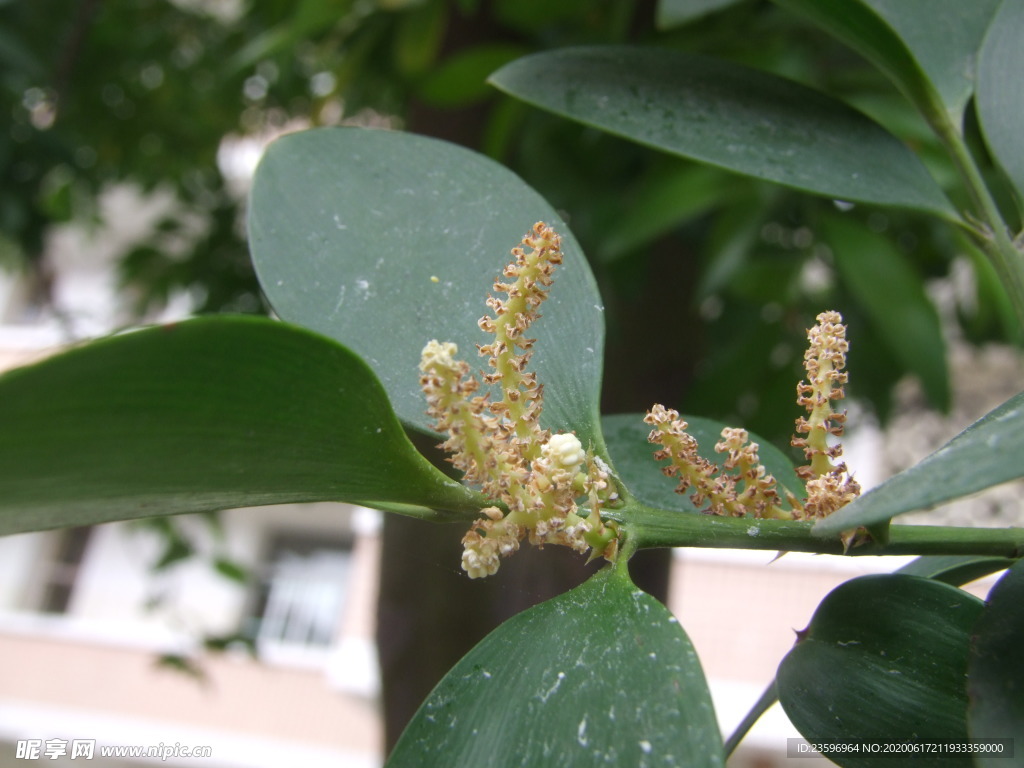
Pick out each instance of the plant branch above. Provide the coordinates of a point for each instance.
(1006, 258)
(652, 527)
(762, 705)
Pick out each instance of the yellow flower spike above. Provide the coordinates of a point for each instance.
(824, 361)
(686, 464)
(759, 494)
(449, 393)
(499, 444)
(829, 486)
(743, 486)
(509, 353)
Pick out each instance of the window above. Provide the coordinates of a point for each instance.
(301, 596)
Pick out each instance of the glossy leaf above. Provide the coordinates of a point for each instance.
(723, 114)
(198, 416)
(927, 47)
(385, 240)
(884, 658)
(633, 460)
(996, 668)
(987, 453)
(955, 569)
(601, 675)
(674, 13)
(893, 296)
(1000, 97)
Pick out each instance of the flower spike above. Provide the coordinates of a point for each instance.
(741, 485)
(535, 478)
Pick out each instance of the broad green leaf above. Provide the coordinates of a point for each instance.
(1000, 97)
(633, 459)
(386, 240)
(944, 38)
(601, 675)
(884, 659)
(733, 117)
(674, 13)
(987, 453)
(926, 47)
(996, 668)
(955, 569)
(198, 416)
(893, 296)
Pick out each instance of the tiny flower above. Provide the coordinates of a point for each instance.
(438, 354)
(564, 449)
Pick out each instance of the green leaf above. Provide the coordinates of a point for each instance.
(231, 570)
(668, 197)
(1000, 97)
(675, 13)
(893, 296)
(601, 675)
(202, 415)
(462, 79)
(884, 659)
(987, 453)
(955, 569)
(926, 47)
(385, 240)
(996, 668)
(633, 460)
(723, 114)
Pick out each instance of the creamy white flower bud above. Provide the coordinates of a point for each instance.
(565, 450)
(438, 354)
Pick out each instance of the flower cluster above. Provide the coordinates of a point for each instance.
(829, 485)
(742, 486)
(534, 477)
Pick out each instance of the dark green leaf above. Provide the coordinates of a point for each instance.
(955, 569)
(674, 13)
(893, 296)
(206, 414)
(182, 664)
(987, 453)
(633, 460)
(671, 195)
(730, 243)
(231, 570)
(176, 550)
(944, 38)
(727, 115)
(1000, 96)
(926, 47)
(601, 675)
(462, 79)
(884, 659)
(385, 240)
(996, 669)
